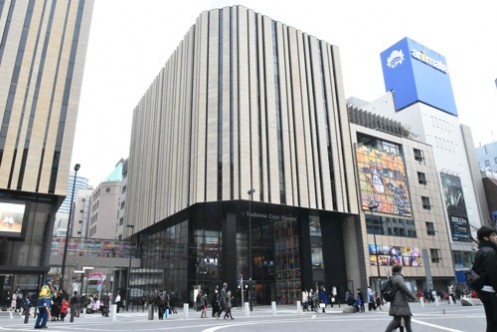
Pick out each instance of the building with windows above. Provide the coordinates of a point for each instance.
(400, 198)
(420, 97)
(42, 55)
(241, 165)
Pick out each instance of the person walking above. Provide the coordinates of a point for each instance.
(161, 303)
(399, 308)
(324, 299)
(227, 309)
(222, 298)
(43, 304)
(75, 304)
(486, 266)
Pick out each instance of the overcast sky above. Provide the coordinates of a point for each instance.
(130, 41)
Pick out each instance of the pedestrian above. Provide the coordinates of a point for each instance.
(160, 301)
(399, 308)
(215, 304)
(323, 297)
(227, 308)
(75, 304)
(222, 298)
(118, 302)
(198, 301)
(203, 306)
(64, 306)
(485, 265)
(43, 304)
(360, 300)
(371, 300)
(305, 300)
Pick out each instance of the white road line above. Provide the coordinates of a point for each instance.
(443, 328)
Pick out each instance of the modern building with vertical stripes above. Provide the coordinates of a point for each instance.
(246, 125)
(42, 51)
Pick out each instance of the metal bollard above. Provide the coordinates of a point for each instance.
(113, 312)
(299, 309)
(26, 315)
(185, 309)
(422, 301)
(273, 307)
(247, 309)
(150, 312)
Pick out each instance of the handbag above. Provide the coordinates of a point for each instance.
(473, 279)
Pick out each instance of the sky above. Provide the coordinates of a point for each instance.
(130, 41)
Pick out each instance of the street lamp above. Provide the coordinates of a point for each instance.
(128, 293)
(64, 256)
(251, 194)
(373, 206)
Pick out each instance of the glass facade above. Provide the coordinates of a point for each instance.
(207, 244)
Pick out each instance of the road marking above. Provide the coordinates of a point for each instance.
(443, 328)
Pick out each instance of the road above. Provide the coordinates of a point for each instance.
(430, 318)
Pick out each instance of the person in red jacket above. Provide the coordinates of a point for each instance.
(64, 307)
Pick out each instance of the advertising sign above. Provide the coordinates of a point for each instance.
(456, 207)
(11, 218)
(395, 255)
(383, 180)
(414, 73)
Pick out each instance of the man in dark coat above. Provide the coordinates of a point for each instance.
(486, 266)
(399, 308)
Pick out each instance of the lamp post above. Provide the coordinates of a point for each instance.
(251, 194)
(373, 206)
(128, 293)
(64, 256)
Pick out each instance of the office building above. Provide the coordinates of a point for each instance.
(241, 164)
(42, 55)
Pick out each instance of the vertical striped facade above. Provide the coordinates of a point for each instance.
(243, 102)
(42, 50)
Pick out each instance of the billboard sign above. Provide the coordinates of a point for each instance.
(415, 73)
(394, 255)
(456, 207)
(12, 219)
(383, 180)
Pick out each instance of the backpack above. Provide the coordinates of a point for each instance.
(388, 291)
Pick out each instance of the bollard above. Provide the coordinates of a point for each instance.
(26, 314)
(113, 312)
(299, 309)
(247, 309)
(273, 307)
(422, 302)
(436, 301)
(150, 312)
(71, 313)
(185, 310)
(166, 313)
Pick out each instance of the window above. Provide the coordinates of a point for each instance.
(418, 155)
(426, 202)
(122, 205)
(430, 228)
(487, 163)
(121, 221)
(421, 178)
(435, 255)
(124, 189)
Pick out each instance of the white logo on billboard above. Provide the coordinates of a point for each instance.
(395, 58)
(425, 58)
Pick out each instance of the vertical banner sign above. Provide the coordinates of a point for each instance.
(456, 207)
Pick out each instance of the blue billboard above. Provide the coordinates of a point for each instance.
(414, 73)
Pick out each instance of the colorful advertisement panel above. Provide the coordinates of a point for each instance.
(395, 255)
(90, 247)
(456, 207)
(417, 74)
(383, 180)
(11, 219)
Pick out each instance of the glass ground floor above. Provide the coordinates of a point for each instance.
(281, 249)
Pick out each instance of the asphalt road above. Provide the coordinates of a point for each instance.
(430, 318)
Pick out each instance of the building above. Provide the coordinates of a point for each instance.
(62, 216)
(42, 56)
(487, 156)
(420, 97)
(241, 164)
(120, 227)
(399, 226)
(104, 206)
